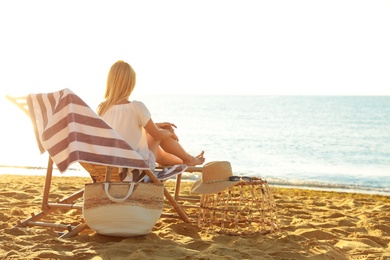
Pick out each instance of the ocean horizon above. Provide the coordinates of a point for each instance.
(339, 143)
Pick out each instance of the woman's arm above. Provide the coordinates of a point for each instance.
(166, 125)
(160, 131)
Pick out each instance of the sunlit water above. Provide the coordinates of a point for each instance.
(327, 142)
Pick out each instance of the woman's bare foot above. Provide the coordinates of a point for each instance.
(197, 160)
(200, 155)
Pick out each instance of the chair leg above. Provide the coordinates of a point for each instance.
(177, 187)
(50, 208)
(75, 231)
(176, 206)
(169, 197)
(46, 189)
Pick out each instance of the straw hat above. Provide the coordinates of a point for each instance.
(215, 178)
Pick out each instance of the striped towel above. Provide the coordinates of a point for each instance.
(71, 131)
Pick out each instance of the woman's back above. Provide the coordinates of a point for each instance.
(128, 120)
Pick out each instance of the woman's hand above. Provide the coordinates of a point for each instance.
(167, 126)
(174, 136)
(160, 131)
(170, 127)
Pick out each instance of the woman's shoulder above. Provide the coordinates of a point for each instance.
(139, 106)
(137, 102)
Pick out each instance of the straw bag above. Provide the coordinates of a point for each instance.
(122, 209)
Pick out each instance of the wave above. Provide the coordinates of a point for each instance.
(329, 186)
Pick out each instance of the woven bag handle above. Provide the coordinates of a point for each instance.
(131, 188)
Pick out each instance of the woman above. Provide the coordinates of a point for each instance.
(155, 142)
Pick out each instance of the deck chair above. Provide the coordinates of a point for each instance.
(62, 108)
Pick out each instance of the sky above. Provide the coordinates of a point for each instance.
(231, 47)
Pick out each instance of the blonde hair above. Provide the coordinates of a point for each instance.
(120, 83)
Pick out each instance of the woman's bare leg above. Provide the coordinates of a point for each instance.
(163, 158)
(167, 159)
(153, 145)
(169, 152)
(171, 146)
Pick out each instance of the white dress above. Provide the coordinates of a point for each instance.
(128, 120)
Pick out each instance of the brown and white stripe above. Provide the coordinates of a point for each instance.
(71, 131)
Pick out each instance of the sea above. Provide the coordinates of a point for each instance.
(335, 143)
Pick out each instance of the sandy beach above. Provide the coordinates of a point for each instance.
(313, 225)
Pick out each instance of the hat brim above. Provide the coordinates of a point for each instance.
(208, 188)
